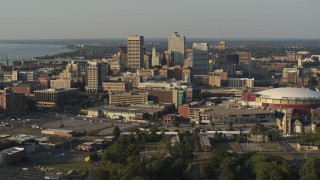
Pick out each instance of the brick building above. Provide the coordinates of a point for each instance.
(12, 102)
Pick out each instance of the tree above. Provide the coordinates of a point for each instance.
(270, 167)
(227, 168)
(230, 126)
(116, 131)
(98, 174)
(258, 128)
(212, 125)
(176, 124)
(118, 153)
(206, 171)
(310, 170)
(31, 104)
(317, 132)
(5, 144)
(93, 157)
(192, 124)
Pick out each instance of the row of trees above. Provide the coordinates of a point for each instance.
(122, 160)
(223, 165)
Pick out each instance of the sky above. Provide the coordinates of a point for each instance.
(73, 19)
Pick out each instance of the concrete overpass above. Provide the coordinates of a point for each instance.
(39, 61)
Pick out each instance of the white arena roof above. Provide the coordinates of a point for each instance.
(289, 93)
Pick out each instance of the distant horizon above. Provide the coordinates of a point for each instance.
(146, 38)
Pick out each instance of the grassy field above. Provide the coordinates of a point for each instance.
(270, 146)
(288, 157)
(28, 131)
(77, 164)
(234, 146)
(152, 148)
(87, 138)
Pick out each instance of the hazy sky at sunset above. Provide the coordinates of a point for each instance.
(52, 19)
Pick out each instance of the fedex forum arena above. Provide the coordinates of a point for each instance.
(300, 99)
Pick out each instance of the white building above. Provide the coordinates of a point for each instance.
(155, 59)
(241, 82)
(176, 43)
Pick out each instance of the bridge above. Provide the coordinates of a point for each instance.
(43, 60)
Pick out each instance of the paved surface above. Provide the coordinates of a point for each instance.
(52, 156)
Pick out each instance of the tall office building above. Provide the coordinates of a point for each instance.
(244, 57)
(222, 45)
(155, 59)
(200, 58)
(135, 55)
(11, 102)
(71, 71)
(96, 74)
(123, 52)
(176, 43)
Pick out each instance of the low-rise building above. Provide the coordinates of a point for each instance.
(176, 96)
(11, 156)
(183, 110)
(146, 73)
(61, 83)
(62, 143)
(134, 78)
(128, 98)
(27, 89)
(12, 102)
(259, 137)
(17, 173)
(205, 142)
(307, 147)
(56, 96)
(58, 132)
(217, 114)
(119, 86)
(123, 113)
(88, 146)
(175, 140)
(171, 118)
(241, 82)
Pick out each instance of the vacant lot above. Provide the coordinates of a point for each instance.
(22, 130)
(152, 149)
(233, 146)
(263, 147)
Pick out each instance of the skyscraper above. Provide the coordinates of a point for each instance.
(123, 52)
(222, 45)
(135, 52)
(71, 71)
(176, 43)
(200, 55)
(96, 74)
(155, 60)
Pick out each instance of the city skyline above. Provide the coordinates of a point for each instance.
(207, 19)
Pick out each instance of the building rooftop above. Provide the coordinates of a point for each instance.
(59, 130)
(57, 90)
(289, 93)
(12, 150)
(227, 111)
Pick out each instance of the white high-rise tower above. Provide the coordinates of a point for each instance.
(176, 43)
(155, 59)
